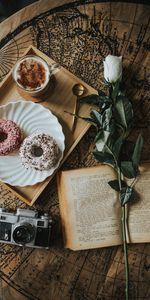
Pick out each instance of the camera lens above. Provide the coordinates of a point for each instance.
(23, 234)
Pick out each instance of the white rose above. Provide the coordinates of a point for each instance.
(113, 68)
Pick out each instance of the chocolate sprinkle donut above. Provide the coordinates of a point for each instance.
(39, 151)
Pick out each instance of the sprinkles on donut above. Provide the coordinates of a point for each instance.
(10, 136)
(39, 151)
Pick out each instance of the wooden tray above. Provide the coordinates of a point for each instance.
(58, 98)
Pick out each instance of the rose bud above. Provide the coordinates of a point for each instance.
(113, 68)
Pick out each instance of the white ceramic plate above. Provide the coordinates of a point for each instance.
(31, 118)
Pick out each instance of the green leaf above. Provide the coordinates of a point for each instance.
(101, 100)
(137, 151)
(105, 100)
(117, 146)
(123, 112)
(106, 119)
(104, 157)
(90, 99)
(96, 117)
(89, 120)
(128, 169)
(110, 144)
(101, 140)
(94, 99)
(125, 195)
(115, 184)
(99, 136)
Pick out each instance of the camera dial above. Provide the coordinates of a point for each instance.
(45, 217)
(24, 233)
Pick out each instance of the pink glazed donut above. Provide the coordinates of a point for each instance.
(10, 136)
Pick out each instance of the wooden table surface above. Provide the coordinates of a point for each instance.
(78, 35)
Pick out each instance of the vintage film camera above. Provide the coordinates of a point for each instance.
(25, 228)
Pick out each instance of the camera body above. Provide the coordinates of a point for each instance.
(25, 228)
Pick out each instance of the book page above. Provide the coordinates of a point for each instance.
(89, 207)
(139, 209)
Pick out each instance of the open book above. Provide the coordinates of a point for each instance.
(90, 209)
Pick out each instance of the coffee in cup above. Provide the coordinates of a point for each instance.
(32, 74)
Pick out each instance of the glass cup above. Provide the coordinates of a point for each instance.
(32, 74)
